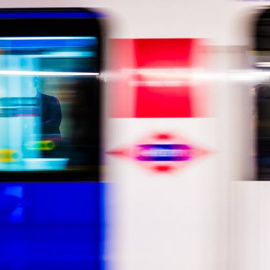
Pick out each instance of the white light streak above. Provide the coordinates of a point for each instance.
(47, 73)
(262, 64)
(159, 83)
(185, 75)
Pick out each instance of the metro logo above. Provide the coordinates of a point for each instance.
(162, 152)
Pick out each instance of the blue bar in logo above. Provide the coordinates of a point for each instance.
(163, 152)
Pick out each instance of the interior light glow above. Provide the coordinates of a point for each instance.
(45, 38)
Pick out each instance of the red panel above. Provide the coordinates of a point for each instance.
(163, 102)
(150, 88)
(162, 54)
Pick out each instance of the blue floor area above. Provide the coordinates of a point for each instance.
(51, 226)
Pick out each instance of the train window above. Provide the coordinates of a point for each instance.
(50, 62)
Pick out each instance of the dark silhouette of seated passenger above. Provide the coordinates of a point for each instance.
(51, 114)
